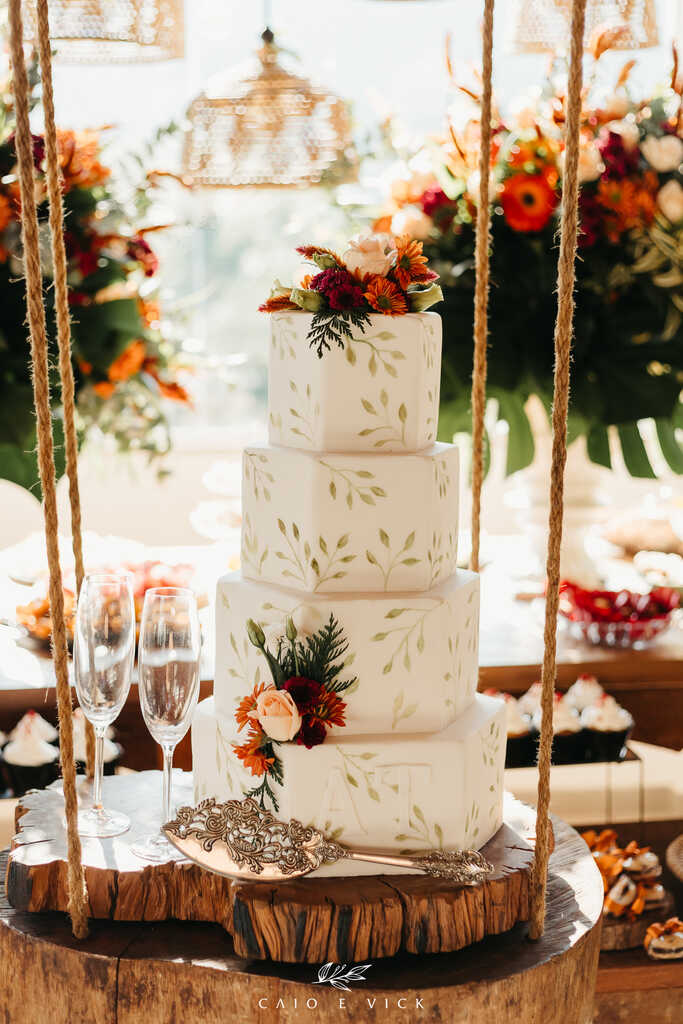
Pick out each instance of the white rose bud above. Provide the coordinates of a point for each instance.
(590, 162)
(628, 129)
(670, 201)
(664, 154)
(370, 254)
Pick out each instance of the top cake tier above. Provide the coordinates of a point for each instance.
(380, 393)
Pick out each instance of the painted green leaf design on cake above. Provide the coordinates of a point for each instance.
(408, 637)
(313, 564)
(401, 710)
(385, 562)
(420, 832)
(349, 482)
(389, 428)
(379, 357)
(282, 336)
(252, 555)
(257, 473)
(305, 413)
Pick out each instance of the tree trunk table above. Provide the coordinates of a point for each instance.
(306, 920)
(129, 972)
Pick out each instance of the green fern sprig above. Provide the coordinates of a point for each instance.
(328, 328)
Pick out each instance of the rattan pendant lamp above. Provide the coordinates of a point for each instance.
(111, 31)
(543, 26)
(269, 129)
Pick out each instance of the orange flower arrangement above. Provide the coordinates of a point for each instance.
(253, 755)
(385, 297)
(410, 263)
(78, 158)
(128, 363)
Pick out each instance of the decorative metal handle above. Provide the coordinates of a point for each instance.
(467, 867)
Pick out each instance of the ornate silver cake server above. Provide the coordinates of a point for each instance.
(242, 840)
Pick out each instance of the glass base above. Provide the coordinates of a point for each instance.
(156, 848)
(100, 823)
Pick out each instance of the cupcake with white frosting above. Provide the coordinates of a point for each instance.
(28, 760)
(520, 751)
(39, 726)
(569, 745)
(111, 750)
(584, 692)
(607, 726)
(530, 702)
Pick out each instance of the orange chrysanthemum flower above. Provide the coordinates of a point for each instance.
(104, 388)
(5, 212)
(78, 157)
(173, 391)
(251, 754)
(629, 204)
(386, 297)
(277, 303)
(410, 263)
(528, 201)
(329, 709)
(247, 705)
(128, 363)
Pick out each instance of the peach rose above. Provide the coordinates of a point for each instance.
(370, 254)
(277, 714)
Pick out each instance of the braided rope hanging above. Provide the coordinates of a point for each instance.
(563, 344)
(481, 284)
(46, 464)
(66, 376)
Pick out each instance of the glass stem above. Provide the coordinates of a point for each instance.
(168, 770)
(99, 767)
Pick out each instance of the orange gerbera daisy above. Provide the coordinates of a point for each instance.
(410, 263)
(128, 363)
(528, 201)
(385, 296)
(251, 754)
(247, 705)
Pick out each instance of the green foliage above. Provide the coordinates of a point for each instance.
(333, 327)
(321, 656)
(627, 356)
(263, 791)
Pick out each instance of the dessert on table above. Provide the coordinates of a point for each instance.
(29, 760)
(347, 646)
(664, 941)
(629, 874)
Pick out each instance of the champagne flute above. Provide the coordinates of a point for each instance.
(104, 648)
(168, 669)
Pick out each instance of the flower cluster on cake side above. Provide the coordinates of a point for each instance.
(377, 273)
(299, 706)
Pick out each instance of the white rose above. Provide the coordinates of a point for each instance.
(670, 201)
(370, 254)
(277, 714)
(411, 221)
(663, 154)
(590, 162)
(628, 130)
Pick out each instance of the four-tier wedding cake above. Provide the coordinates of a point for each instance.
(347, 646)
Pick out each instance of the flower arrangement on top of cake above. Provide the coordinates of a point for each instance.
(299, 706)
(377, 273)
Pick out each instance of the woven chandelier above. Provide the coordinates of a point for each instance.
(544, 25)
(112, 31)
(272, 129)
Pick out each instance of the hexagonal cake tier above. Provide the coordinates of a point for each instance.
(324, 522)
(379, 393)
(394, 641)
(388, 793)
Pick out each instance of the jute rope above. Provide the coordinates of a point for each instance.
(481, 287)
(54, 189)
(563, 342)
(46, 466)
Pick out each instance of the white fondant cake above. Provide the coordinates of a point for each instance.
(388, 793)
(347, 648)
(380, 393)
(332, 522)
(393, 639)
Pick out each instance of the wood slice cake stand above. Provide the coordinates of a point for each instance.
(158, 972)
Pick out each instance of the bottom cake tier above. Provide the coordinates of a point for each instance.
(386, 793)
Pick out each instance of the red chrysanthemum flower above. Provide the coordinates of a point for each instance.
(339, 288)
(311, 734)
(386, 297)
(304, 692)
(528, 201)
